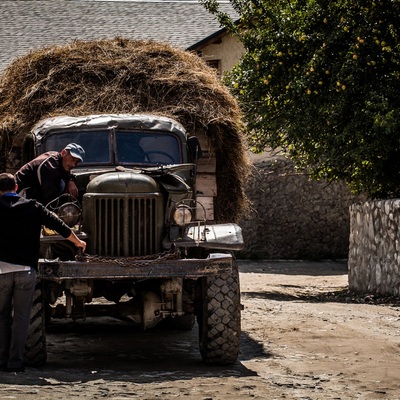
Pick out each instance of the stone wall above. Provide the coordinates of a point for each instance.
(374, 248)
(294, 217)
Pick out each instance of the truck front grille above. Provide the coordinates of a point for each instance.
(125, 227)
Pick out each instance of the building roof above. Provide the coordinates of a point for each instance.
(30, 24)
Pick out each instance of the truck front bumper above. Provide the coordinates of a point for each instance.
(55, 270)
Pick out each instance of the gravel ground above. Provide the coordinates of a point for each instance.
(304, 336)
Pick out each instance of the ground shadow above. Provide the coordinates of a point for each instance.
(109, 349)
(337, 296)
(296, 267)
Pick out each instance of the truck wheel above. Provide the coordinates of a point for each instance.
(35, 350)
(219, 318)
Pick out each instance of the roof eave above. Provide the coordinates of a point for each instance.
(211, 38)
(207, 40)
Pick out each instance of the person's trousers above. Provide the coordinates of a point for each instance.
(16, 295)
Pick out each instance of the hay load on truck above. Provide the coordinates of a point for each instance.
(161, 187)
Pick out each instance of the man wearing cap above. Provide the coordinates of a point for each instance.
(49, 175)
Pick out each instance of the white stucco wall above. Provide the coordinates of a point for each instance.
(228, 51)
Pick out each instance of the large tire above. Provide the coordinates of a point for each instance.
(35, 351)
(219, 318)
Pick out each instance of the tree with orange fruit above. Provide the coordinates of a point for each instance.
(320, 80)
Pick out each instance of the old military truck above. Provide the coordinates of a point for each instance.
(153, 248)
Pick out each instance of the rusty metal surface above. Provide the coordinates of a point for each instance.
(167, 268)
(56, 238)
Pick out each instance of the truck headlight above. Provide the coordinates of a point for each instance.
(182, 215)
(70, 213)
(67, 208)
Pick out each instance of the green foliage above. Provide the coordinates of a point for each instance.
(320, 79)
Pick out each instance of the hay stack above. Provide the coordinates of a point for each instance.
(127, 76)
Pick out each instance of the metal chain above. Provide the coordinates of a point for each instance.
(172, 254)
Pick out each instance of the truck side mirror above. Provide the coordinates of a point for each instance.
(194, 148)
(28, 149)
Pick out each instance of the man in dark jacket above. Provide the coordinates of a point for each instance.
(21, 221)
(49, 175)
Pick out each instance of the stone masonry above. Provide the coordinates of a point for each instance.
(374, 248)
(294, 217)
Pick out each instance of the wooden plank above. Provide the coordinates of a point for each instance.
(205, 144)
(207, 165)
(208, 204)
(206, 185)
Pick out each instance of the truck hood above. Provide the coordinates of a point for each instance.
(122, 182)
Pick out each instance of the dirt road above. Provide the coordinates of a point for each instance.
(304, 337)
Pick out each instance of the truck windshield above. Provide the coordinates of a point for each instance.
(95, 143)
(148, 148)
(131, 147)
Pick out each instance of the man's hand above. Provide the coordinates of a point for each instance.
(76, 241)
(81, 244)
(72, 189)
